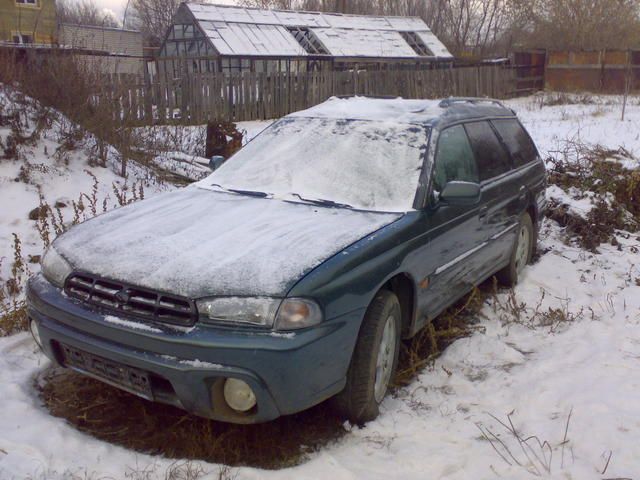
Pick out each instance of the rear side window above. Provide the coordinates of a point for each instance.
(454, 158)
(491, 156)
(517, 141)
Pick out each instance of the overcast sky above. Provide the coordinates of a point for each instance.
(118, 6)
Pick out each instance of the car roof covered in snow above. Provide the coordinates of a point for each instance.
(400, 110)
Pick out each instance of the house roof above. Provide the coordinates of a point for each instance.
(244, 31)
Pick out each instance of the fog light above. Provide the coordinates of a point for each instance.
(239, 395)
(35, 332)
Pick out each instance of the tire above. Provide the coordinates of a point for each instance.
(523, 248)
(368, 379)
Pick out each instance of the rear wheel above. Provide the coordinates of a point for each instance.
(374, 360)
(521, 254)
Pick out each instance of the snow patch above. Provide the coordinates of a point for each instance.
(283, 334)
(129, 324)
(194, 363)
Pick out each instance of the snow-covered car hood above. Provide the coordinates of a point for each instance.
(197, 242)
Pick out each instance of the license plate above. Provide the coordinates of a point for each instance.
(131, 379)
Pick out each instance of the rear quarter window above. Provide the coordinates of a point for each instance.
(492, 158)
(517, 140)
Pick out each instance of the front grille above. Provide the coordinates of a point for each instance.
(133, 301)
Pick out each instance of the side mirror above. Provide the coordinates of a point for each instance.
(460, 193)
(216, 162)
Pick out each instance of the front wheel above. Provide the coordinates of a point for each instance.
(374, 360)
(521, 254)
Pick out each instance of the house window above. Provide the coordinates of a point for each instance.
(308, 41)
(235, 65)
(185, 40)
(32, 3)
(22, 39)
(415, 42)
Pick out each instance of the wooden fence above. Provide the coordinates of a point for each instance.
(198, 98)
(529, 70)
(604, 71)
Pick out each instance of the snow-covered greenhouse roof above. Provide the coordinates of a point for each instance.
(240, 31)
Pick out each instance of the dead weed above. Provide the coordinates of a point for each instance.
(123, 419)
(602, 173)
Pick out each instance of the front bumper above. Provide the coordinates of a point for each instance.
(187, 367)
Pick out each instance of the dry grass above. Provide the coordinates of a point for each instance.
(13, 309)
(553, 99)
(511, 311)
(62, 84)
(529, 452)
(123, 419)
(456, 322)
(615, 192)
(50, 221)
(178, 470)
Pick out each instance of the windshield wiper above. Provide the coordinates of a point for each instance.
(322, 202)
(249, 193)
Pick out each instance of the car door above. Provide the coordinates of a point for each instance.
(529, 173)
(499, 214)
(454, 231)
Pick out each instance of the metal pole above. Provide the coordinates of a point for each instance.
(627, 85)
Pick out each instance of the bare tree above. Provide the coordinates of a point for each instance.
(471, 27)
(153, 18)
(577, 24)
(84, 12)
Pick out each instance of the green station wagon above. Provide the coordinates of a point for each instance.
(290, 275)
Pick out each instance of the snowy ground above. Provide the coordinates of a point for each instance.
(436, 427)
(61, 177)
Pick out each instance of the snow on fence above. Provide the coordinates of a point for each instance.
(197, 98)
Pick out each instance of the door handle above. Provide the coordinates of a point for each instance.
(523, 193)
(483, 212)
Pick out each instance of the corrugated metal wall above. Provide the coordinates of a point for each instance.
(125, 47)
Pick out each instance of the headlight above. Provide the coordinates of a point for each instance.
(287, 314)
(258, 311)
(55, 268)
(295, 313)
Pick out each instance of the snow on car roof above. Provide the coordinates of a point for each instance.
(401, 110)
(382, 109)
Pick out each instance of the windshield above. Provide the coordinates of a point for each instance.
(369, 165)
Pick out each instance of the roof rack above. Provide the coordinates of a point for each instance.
(447, 102)
(375, 97)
